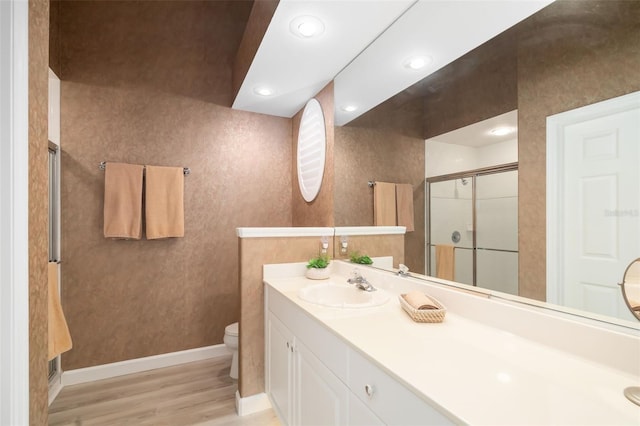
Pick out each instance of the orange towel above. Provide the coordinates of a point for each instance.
(404, 205)
(123, 201)
(59, 337)
(419, 300)
(445, 262)
(164, 202)
(384, 204)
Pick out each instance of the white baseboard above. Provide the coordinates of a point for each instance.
(106, 371)
(252, 404)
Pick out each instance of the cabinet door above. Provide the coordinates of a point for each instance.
(320, 397)
(279, 368)
(360, 414)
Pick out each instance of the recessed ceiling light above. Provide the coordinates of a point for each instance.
(501, 131)
(417, 62)
(349, 108)
(306, 26)
(263, 91)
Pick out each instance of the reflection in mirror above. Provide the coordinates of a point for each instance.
(631, 287)
(568, 55)
(475, 214)
(631, 292)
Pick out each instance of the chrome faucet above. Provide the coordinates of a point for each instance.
(360, 281)
(403, 271)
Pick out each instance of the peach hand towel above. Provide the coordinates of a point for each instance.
(445, 262)
(59, 337)
(404, 205)
(164, 202)
(384, 204)
(419, 300)
(123, 201)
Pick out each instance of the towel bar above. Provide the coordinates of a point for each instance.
(103, 165)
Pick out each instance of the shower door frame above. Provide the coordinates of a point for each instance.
(467, 174)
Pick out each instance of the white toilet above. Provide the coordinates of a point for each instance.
(231, 340)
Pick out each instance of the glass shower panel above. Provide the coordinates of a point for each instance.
(451, 223)
(497, 231)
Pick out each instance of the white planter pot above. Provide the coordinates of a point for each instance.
(317, 274)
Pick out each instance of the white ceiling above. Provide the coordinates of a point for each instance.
(479, 134)
(364, 46)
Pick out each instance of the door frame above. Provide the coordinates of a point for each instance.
(555, 159)
(14, 212)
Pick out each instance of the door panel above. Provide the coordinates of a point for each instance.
(321, 396)
(279, 369)
(600, 202)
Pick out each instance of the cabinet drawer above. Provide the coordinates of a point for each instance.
(387, 398)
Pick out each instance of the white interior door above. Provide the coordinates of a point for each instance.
(598, 203)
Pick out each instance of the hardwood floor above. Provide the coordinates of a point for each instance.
(198, 393)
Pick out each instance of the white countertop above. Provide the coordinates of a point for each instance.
(477, 373)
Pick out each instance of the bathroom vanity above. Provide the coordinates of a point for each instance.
(367, 365)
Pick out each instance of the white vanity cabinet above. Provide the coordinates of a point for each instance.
(315, 377)
(302, 389)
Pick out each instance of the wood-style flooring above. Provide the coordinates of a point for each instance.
(198, 393)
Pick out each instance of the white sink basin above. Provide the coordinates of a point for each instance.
(338, 295)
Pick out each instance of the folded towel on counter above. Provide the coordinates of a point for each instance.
(164, 202)
(384, 204)
(404, 205)
(123, 201)
(445, 262)
(59, 337)
(419, 300)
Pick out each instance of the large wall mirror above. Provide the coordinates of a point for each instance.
(569, 55)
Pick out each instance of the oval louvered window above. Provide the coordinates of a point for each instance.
(311, 150)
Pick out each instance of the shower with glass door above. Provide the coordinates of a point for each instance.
(476, 213)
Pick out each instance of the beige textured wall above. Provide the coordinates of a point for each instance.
(386, 150)
(318, 212)
(480, 85)
(150, 83)
(372, 246)
(38, 209)
(572, 68)
(54, 36)
(255, 252)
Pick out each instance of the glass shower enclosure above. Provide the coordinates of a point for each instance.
(476, 212)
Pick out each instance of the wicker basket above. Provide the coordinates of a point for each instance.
(424, 315)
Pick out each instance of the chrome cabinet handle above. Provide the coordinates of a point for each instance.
(368, 389)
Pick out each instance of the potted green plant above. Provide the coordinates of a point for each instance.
(318, 267)
(361, 259)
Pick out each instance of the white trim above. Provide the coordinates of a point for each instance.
(554, 216)
(252, 404)
(106, 371)
(370, 230)
(283, 232)
(55, 385)
(14, 213)
(555, 139)
(319, 232)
